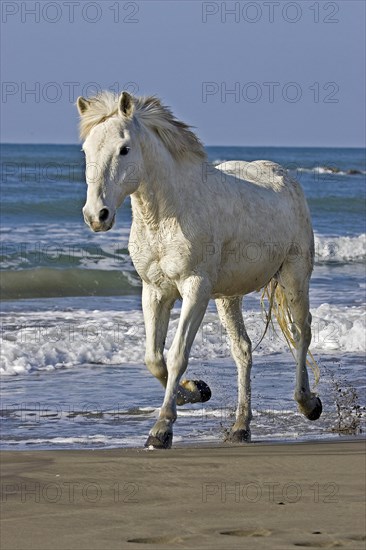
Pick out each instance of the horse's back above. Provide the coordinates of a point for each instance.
(263, 173)
(280, 206)
(264, 182)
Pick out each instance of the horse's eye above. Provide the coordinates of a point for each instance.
(124, 150)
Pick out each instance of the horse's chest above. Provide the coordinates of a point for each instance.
(157, 262)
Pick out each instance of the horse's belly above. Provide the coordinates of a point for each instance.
(240, 281)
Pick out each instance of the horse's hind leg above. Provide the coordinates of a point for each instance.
(295, 284)
(156, 309)
(231, 316)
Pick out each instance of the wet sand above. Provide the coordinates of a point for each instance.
(277, 496)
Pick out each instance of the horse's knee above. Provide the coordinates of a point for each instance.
(156, 365)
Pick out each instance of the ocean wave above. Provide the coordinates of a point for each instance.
(109, 274)
(46, 283)
(90, 441)
(332, 170)
(340, 249)
(65, 339)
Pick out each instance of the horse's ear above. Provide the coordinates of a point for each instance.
(82, 105)
(126, 105)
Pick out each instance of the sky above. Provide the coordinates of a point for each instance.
(260, 73)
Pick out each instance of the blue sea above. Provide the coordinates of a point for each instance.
(72, 370)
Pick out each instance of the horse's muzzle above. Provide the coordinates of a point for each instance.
(104, 222)
(98, 227)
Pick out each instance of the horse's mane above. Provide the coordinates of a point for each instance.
(177, 136)
(100, 107)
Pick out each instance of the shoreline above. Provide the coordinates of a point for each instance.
(263, 495)
(190, 444)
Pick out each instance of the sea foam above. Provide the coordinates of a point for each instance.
(340, 249)
(51, 340)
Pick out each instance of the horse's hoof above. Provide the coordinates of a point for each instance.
(193, 391)
(239, 436)
(160, 441)
(316, 411)
(204, 390)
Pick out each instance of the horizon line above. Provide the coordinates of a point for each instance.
(206, 145)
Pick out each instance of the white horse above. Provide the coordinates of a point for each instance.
(198, 232)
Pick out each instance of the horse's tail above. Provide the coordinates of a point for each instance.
(277, 304)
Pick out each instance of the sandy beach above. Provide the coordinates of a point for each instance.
(309, 495)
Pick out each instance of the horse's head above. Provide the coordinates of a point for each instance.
(113, 157)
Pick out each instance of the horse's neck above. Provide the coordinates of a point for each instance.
(162, 193)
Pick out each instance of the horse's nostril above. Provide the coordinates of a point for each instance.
(103, 214)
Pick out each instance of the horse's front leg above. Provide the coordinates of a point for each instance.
(196, 294)
(156, 307)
